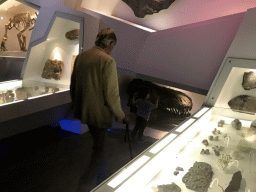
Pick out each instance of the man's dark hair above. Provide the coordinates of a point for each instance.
(143, 93)
(103, 35)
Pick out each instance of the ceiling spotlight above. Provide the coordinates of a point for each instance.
(2, 18)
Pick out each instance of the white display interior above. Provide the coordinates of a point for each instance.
(57, 46)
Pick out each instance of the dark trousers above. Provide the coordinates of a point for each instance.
(98, 136)
(139, 127)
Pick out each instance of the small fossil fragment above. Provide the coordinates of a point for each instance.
(179, 169)
(221, 123)
(214, 131)
(218, 148)
(244, 145)
(236, 124)
(243, 103)
(216, 138)
(205, 142)
(207, 152)
(218, 131)
(217, 153)
(210, 138)
(176, 172)
(173, 187)
(202, 152)
(225, 136)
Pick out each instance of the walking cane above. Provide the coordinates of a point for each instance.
(128, 136)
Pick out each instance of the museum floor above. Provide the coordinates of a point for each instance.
(49, 159)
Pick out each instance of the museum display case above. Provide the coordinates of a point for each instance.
(212, 150)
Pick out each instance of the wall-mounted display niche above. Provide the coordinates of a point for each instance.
(49, 66)
(214, 150)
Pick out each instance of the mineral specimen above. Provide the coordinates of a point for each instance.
(199, 177)
(176, 172)
(224, 160)
(205, 151)
(147, 7)
(249, 80)
(244, 145)
(253, 124)
(167, 188)
(55, 89)
(72, 35)
(214, 131)
(244, 103)
(52, 69)
(9, 96)
(179, 169)
(221, 123)
(237, 155)
(217, 153)
(216, 138)
(205, 142)
(234, 184)
(218, 148)
(210, 138)
(225, 136)
(236, 124)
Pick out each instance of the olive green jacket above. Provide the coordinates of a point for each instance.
(94, 89)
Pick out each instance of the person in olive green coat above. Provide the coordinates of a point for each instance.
(94, 87)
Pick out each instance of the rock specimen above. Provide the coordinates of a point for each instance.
(249, 80)
(205, 151)
(217, 153)
(179, 169)
(55, 89)
(225, 136)
(172, 102)
(218, 148)
(243, 103)
(253, 124)
(221, 123)
(176, 172)
(210, 138)
(52, 69)
(199, 177)
(205, 142)
(167, 188)
(224, 160)
(244, 145)
(237, 155)
(72, 35)
(216, 131)
(147, 7)
(236, 124)
(248, 133)
(235, 183)
(216, 138)
(9, 96)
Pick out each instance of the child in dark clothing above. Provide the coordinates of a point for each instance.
(143, 113)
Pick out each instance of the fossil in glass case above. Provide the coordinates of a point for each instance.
(205, 151)
(243, 103)
(235, 183)
(53, 69)
(72, 35)
(244, 145)
(173, 187)
(142, 8)
(237, 155)
(218, 148)
(199, 177)
(236, 124)
(210, 138)
(249, 80)
(205, 142)
(221, 123)
(224, 160)
(9, 96)
(174, 103)
(25, 19)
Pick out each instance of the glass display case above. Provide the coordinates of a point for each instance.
(213, 150)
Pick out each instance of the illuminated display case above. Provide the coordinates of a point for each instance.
(226, 161)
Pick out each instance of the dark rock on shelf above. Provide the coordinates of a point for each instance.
(221, 123)
(236, 124)
(142, 8)
(243, 103)
(234, 184)
(167, 188)
(249, 80)
(52, 69)
(72, 35)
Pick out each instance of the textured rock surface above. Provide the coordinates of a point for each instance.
(167, 188)
(172, 102)
(199, 177)
(234, 184)
(237, 155)
(224, 160)
(243, 103)
(52, 69)
(249, 80)
(72, 35)
(221, 123)
(147, 7)
(244, 145)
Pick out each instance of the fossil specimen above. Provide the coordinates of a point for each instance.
(52, 69)
(179, 169)
(225, 136)
(72, 35)
(147, 7)
(199, 177)
(216, 138)
(253, 124)
(243, 103)
(215, 131)
(24, 19)
(9, 96)
(167, 188)
(218, 148)
(249, 80)
(221, 123)
(237, 155)
(55, 89)
(224, 160)
(248, 133)
(210, 138)
(236, 124)
(217, 153)
(234, 184)
(174, 103)
(244, 145)
(205, 151)
(176, 172)
(205, 142)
